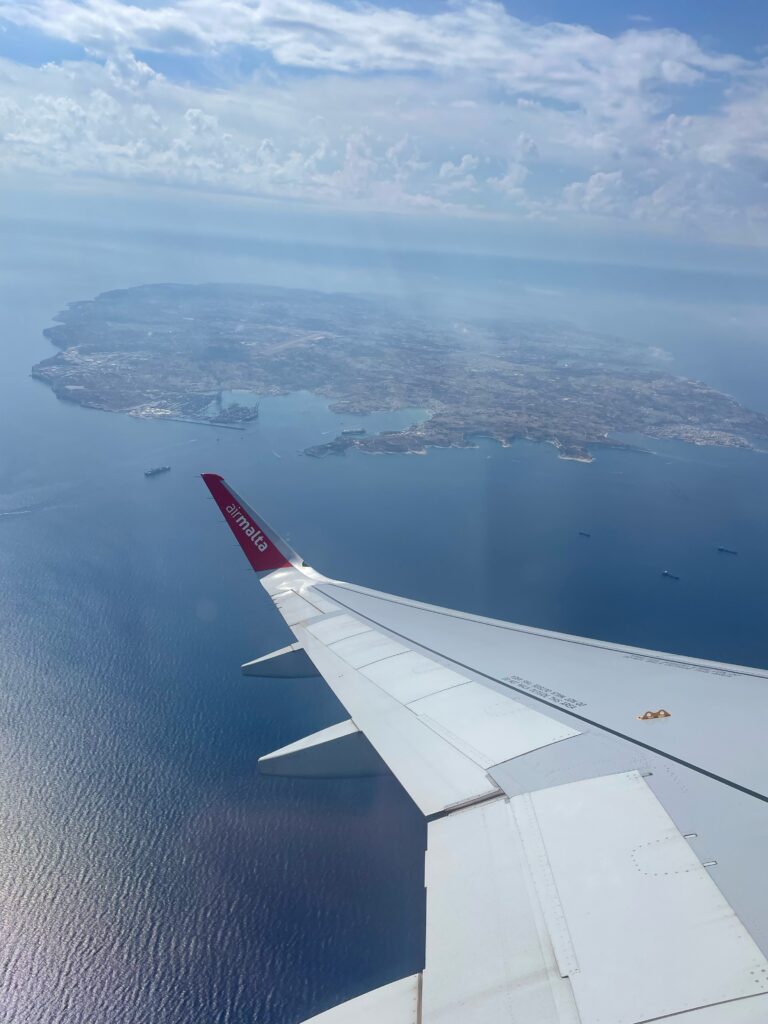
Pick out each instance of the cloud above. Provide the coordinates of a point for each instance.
(467, 110)
(478, 35)
(525, 146)
(602, 192)
(511, 181)
(119, 120)
(466, 165)
(458, 177)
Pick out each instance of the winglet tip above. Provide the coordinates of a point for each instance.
(263, 548)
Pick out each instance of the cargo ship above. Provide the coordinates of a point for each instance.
(156, 470)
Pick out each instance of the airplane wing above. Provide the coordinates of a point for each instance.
(597, 814)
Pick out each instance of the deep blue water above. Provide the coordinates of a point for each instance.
(147, 872)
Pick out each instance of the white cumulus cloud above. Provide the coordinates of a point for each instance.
(465, 109)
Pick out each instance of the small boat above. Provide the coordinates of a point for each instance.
(669, 575)
(156, 470)
(727, 551)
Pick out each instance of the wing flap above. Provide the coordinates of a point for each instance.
(397, 1003)
(635, 898)
(339, 627)
(367, 648)
(438, 745)
(490, 727)
(488, 958)
(410, 676)
(433, 772)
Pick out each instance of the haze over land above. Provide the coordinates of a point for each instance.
(170, 351)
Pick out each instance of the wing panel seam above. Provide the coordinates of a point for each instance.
(580, 641)
(572, 714)
(544, 884)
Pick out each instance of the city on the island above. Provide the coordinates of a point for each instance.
(174, 351)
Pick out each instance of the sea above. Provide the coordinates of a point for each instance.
(148, 873)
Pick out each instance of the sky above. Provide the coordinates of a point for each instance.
(604, 118)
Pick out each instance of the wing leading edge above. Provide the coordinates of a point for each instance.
(584, 865)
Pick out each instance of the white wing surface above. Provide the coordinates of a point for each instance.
(586, 863)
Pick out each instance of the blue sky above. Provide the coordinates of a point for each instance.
(640, 120)
(740, 26)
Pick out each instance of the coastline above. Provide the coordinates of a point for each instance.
(169, 351)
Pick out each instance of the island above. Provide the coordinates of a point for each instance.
(173, 351)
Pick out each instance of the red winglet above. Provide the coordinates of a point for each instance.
(263, 548)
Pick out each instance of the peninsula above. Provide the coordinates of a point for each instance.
(170, 350)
